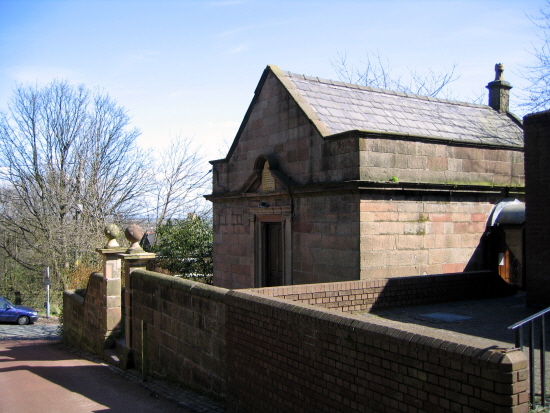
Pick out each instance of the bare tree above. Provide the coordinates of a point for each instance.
(538, 74)
(377, 72)
(68, 163)
(180, 175)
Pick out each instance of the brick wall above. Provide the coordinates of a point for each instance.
(286, 357)
(269, 354)
(537, 201)
(85, 318)
(366, 295)
(185, 330)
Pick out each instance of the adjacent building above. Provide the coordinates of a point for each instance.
(328, 181)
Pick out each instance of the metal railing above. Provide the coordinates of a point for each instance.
(518, 327)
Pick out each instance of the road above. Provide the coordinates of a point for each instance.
(39, 374)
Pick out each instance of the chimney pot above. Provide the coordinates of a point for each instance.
(499, 91)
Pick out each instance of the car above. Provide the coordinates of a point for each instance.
(11, 313)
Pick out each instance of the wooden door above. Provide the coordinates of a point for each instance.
(273, 257)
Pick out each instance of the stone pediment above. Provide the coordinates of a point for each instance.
(266, 177)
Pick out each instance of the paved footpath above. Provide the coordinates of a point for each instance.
(39, 374)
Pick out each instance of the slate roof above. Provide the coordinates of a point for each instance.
(338, 107)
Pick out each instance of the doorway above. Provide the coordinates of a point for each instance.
(273, 254)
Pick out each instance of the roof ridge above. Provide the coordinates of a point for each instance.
(383, 91)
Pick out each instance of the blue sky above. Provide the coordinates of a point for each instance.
(191, 67)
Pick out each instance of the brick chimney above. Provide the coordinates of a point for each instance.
(499, 91)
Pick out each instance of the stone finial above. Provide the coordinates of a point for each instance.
(112, 232)
(499, 70)
(134, 234)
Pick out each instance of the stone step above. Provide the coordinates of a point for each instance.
(120, 343)
(111, 356)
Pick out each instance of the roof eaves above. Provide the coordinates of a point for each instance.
(424, 138)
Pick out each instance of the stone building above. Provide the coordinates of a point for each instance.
(328, 181)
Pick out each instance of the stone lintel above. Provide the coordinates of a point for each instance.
(144, 256)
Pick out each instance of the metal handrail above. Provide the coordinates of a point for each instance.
(519, 344)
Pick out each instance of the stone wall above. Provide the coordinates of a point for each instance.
(274, 124)
(360, 234)
(85, 316)
(417, 161)
(537, 200)
(185, 330)
(233, 244)
(360, 205)
(325, 237)
(423, 233)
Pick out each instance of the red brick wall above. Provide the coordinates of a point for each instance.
(365, 295)
(537, 200)
(291, 357)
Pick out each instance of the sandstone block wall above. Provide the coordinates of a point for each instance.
(362, 205)
(418, 234)
(186, 330)
(275, 124)
(233, 245)
(325, 238)
(537, 200)
(85, 318)
(439, 163)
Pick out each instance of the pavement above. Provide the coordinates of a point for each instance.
(39, 374)
(486, 319)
